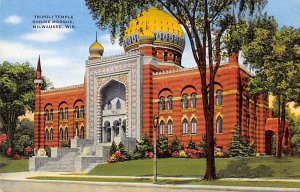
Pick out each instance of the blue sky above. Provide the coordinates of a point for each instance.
(64, 51)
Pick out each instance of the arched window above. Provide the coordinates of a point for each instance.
(184, 101)
(170, 127)
(193, 100)
(184, 126)
(61, 114)
(165, 56)
(47, 115)
(194, 126)
(118, 104)
(51, 115)
(51, 134)
(66, 113)
(76, 112)
(219, 124)
(61, 134)
(108, 105)
(81, 132)
(219, 95)
(170, 103)
(161, 127)
(162, 103)
(66, 133)
(82, 111)
(46, 135)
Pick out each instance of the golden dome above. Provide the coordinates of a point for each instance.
(96, 49)
(154, 25)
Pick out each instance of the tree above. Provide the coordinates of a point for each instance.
(275, 54)
(16, 95)
(205, 23)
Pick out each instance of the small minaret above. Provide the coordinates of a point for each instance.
(96, 50)
(38, 132)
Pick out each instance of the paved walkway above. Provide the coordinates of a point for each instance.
(15, 182)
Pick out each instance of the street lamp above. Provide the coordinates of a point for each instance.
(155, 123)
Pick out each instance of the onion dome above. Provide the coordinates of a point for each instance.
(154, 26)
(96, 49)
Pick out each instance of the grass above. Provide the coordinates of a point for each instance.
(13, 165)
(170, 181)
(287, 167)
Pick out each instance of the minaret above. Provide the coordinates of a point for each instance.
(96, 50)
(38, 130)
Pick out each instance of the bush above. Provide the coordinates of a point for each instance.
(143, 146)
(175, 146)
(238, 146)
(163, 147)
(191, 144)
(16, 156)
(113, 148)
(48, 151)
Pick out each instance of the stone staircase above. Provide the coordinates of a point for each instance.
(63, 164)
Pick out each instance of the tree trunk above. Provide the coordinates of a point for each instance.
(281, 125)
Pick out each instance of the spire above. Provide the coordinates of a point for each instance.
(38, 69)
(96, 36)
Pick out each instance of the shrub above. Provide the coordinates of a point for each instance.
(113, 148)
(48, 151)
(193, 153)
(8, 152)
(116, 157)
(238, 146)
(191, 144)
(175, 146)
(143, 146)
(16, 156)
(163, 147)
(124, 152)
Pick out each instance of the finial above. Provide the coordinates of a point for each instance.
(38, 69)
(96, 36)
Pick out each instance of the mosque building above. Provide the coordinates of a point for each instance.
(121, 94)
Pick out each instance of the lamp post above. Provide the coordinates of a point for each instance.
(155, 123)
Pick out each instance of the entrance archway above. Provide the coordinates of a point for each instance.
(270, 142)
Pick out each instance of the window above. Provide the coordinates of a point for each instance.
(51, 134)
(76, 112)
(66, 113)
(61, 114)
(165, 56)
(61, 134)
(170, 127)
(219, 96)
(118, 104)
(170, 103)
(219, 124)
(46, 115)
(82, 111)
(108, 105)
(46, 135)
(51, 115)
(184, 101)
(193, 100)
(161, 127)
(66, 133)
(81, 132)
(162, 103)
(194, 126)
(184, 126)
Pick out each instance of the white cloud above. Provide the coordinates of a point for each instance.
(47, 35)
(13, 19)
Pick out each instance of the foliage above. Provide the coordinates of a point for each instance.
(23, 136)
(163, 147)
(175, 146)
(17, 95)
(191, 144)
(116, 157)
(202, 145)
(143, 146)
(205, 23)
(124, 152)
(113, 148)
(48, 151)
(273, 145)
(239, 146)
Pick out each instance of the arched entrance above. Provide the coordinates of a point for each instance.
(270, 142)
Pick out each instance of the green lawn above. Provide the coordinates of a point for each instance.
(13, 165)
(287, 167)
(170, 181)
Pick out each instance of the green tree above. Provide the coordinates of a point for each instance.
(238, 145)
(205, 23)
(113, 148)
(16, 95)
(23, 136)
(275, 54)
(143, 145)
(175, 146)
(191, 144)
